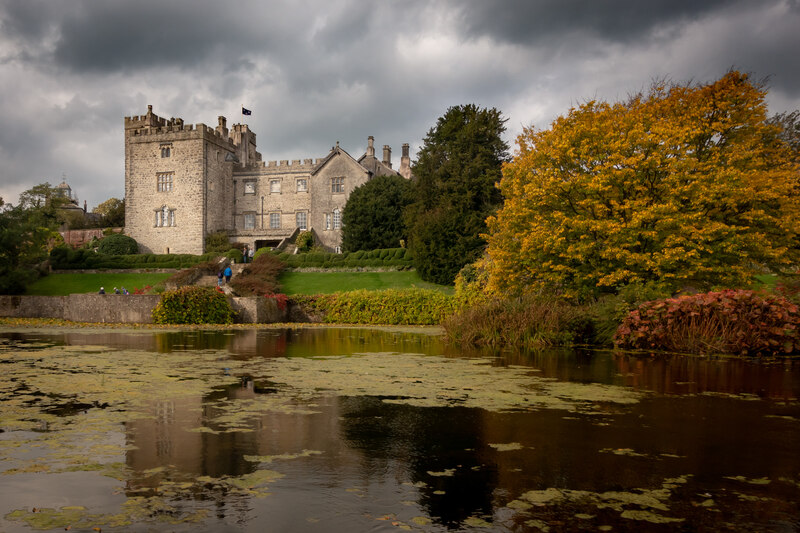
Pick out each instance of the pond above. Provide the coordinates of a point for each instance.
(349, 429)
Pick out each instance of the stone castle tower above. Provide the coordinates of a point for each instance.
(183, 182)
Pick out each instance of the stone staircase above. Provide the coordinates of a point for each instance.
(211, 281)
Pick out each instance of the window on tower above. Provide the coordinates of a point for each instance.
(165, 217)
(164, 181)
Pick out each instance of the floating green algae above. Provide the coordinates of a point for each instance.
(430, 381)
(476, 521)
(135, 509)
(538, 524)
(507, 447)
(623, 451)
(648, 516)
(72, 404)
(638, 504)
(281, 457)
(444, 473)
(754, 481)
(259, 478)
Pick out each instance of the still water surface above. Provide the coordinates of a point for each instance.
(340, 429)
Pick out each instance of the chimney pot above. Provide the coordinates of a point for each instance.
(387, 155)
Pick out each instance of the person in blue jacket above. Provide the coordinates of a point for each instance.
(228, 274)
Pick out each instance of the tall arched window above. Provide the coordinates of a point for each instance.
(337, 219)
(165, 217)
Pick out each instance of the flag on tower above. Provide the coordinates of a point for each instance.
(246, 111)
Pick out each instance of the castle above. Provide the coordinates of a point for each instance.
(184, 182)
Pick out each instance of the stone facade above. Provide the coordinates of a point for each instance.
(183, 182)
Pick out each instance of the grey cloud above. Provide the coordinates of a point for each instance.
(323, 71)
(523, 21)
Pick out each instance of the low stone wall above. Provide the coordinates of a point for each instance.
(257, 310)
(32, 306)
(125, 309)
(115, 308)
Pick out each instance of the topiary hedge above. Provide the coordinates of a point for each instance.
(730, 321)
(398, 258)
(118, 244)
(193, 305)
(392, 306)
(65, 258)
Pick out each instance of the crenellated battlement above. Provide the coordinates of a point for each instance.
(293, 163)
(153, 125)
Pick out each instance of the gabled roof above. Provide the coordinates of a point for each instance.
(335, 152)
(375, 166)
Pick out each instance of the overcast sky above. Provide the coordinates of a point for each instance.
(322, 71)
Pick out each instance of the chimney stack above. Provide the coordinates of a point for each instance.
(387, 155)
(370, 146)
(405, 163)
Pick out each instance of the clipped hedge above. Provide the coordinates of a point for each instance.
(731, 321)
(193, 305)
(398, 258)
(392, 306)
(65, 258)
(118, 244)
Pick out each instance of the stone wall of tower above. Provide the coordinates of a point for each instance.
(219, 188)
(174, 216)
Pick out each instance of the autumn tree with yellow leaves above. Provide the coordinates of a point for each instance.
(684, 186)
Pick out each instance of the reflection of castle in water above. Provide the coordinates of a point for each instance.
(363, 442)
(167, 437)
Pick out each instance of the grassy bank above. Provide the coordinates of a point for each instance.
(331, 282)
(64, 284)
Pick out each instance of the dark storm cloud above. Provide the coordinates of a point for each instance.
(108, 36)
(526, 22)
(323, 71)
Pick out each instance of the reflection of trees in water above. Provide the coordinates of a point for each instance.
(425, 440)
(685, 374)
(322, 341)
(661, 373)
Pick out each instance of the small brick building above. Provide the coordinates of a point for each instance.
(183, 182)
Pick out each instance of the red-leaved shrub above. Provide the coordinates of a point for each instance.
(281, 299)
(730, 321)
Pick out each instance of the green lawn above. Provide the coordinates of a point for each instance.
(63, 284)
(329, 282)
(292, 282)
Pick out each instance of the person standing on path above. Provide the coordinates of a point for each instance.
(250, 253)
(228, 274)
(244, 254)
